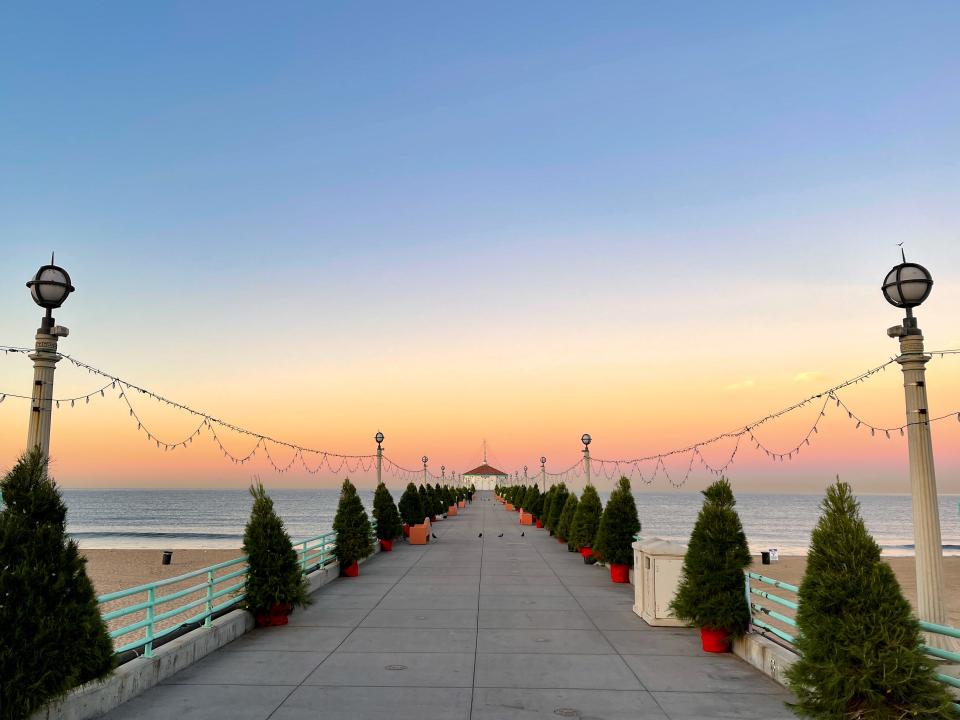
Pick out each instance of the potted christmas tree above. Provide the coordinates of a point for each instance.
(618, 527)
(710, 594)
(560, 495)
(354, 538)
(53, 636)
(585, 523)
(859, 643)
(274, 582)
(411, 509)
(565, 525)
(536, 508)
(388, 521)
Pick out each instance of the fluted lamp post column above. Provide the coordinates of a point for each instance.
(49, 288)
(906, 286)
(424, 459)
(586, 440)
(379, 438)
(543, 473)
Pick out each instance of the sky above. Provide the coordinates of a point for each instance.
(500, 221)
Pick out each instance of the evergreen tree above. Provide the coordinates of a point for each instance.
(425, 502)
(711, 594)
(354, 538)
(618, 526)
(274, 575)
(858, 640)
(536, 508)
(587, 519)
(411, 509)
(530, 498)
(385, 513)
(566, 517)
(556, 509)
(439, 503)
(53, 637)
(547, 504)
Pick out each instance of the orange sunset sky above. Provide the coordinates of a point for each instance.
(514, 226)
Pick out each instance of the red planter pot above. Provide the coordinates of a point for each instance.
(351, 570)
(586, 552)
(406, 530)
(277, 615)
(620, 572)
(714, 640)
(561, 540)
(539, 524)
(386, 545)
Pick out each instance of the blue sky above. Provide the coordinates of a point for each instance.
(422, 176)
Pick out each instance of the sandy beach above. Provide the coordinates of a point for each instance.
(791, 568)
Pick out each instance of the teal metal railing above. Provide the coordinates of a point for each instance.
(767, 607)
(212, 590)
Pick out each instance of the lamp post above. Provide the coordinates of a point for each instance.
(586, 440)
(49, 288)
(379, 438)
(443, 474)
(424, 460)
(543, 472)
(906, 286)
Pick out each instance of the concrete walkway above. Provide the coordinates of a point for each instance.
(488, 629)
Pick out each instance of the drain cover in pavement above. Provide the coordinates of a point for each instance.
(395, 667)
(567, 712)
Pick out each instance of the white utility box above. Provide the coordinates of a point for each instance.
(657, 568)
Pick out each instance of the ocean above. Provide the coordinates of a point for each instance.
(216, 518)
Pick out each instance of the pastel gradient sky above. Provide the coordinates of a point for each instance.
(450, 222)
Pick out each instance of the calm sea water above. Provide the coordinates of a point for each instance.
(215, 518)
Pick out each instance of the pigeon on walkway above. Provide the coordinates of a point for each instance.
(522, 534)
(433, 536)
(480, 535)
(500, 535)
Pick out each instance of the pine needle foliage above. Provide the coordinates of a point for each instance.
(274, 575)
(711, 591)
(587, 519)
(52, 637)
(411, 509)
(386, 514)
(560, 495)
(530, 498)
(566, 517)
(858, 641)
(618, 526)
(354, 537)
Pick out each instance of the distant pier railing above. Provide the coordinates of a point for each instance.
(157, 609)
(768, 617)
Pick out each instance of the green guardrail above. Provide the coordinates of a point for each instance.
(218, 588)
(760, 611)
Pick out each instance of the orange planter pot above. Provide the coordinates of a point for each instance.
(508, 506)
(526, 518)
(451, 511)
(620, 572)
(462, 503)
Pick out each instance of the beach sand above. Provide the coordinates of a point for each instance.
(112, 570)
(790, 569)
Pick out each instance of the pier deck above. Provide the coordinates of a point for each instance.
(490, 628)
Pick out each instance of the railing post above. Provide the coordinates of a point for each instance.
(303, 558)
(148, 648)
(746, 583)
(206, 620)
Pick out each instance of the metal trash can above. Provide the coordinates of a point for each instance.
(167, 555)
(765, 557)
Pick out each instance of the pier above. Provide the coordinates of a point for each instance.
(487, 628)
